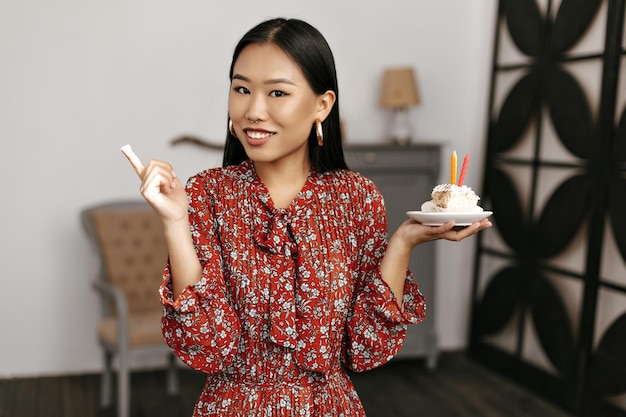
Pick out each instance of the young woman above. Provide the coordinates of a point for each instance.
(281, 274)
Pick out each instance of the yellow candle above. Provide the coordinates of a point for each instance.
(453, 168)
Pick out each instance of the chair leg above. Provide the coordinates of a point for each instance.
(172, 375)
(106, 381)
(123, 385)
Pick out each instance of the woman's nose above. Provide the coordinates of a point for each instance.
(256, 108)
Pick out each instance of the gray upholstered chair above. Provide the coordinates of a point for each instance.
(127, 237)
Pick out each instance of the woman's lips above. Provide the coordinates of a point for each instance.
(258, 137)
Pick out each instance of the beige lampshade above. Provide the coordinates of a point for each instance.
(399, 88)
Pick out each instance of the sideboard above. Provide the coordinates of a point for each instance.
(405, 176)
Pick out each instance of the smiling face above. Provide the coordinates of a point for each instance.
(273, 107)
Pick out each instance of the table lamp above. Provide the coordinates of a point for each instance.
(399, 91)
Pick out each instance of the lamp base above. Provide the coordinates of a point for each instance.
(401, 140)
(400, 131)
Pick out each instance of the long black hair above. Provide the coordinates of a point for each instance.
(308, 48)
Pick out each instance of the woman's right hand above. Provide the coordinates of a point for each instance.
(161, 188)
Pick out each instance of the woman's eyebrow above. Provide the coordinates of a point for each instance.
(272, 81)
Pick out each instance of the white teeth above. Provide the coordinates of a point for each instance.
(259, 135)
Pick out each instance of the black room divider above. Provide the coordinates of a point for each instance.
(549, 289)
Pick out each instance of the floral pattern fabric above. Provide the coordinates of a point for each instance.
(289, 297)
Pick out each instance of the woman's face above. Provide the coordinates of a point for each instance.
(272, 105)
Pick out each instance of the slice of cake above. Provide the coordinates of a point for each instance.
(448, 198)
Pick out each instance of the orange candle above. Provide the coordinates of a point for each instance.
(463, 169)
(453, 168)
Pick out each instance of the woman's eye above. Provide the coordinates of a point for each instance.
(277, 93)
(242, 90)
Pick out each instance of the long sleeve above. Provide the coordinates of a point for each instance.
(376, 328)
(201, 325)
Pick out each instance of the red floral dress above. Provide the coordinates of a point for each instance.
(289, 298)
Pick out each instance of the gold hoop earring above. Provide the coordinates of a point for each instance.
(320, 132)
(230, 128)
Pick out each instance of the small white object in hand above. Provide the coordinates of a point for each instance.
(132, 157)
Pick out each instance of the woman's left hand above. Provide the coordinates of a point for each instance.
(413, 233)
(409, 235)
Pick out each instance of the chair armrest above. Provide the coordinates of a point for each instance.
(121, 309)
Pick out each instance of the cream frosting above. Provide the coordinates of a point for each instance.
(452, 198)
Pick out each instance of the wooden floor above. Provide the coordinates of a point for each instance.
(457, 388)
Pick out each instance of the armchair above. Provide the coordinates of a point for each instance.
(127, 237)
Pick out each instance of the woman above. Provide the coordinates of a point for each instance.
(280, 275)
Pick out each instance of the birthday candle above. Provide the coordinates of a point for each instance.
(463, 169)
(453, 168)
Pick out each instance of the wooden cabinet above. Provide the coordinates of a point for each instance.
(405, 176)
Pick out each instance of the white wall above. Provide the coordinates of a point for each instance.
(80, 78)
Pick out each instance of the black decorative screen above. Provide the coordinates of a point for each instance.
(549, 293)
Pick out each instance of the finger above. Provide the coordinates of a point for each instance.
(134, 160)
(471, 229)
(163, 170)
(176, 183)
(158, 178)
(480, 225)
(437, 230)
(151, 189)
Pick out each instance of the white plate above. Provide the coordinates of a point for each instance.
(437, 219)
